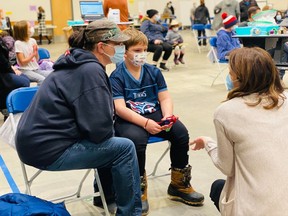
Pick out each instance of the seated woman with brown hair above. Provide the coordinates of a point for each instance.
(251, 148)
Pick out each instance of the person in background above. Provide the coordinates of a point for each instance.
(250, 150)
(154, 31)
(142, 101)
(244, 6)
(230, 7)
(279, 17)
(10, 43)
(3, 23)
(201, 17)
(27, 56)
(42, 25)
(167, 12)
(251, 12)
(10, 78)
(122, 5)
(176, 40)
(69, 123)
(170, 6)
(225, 42)
(192, 13)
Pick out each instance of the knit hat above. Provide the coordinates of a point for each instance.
(228, 21)
(151, 12)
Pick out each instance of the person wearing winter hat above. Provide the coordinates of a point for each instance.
(225, 42)
(154, 31)
(176, 40)
(201, 17)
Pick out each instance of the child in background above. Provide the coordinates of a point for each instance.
(175, 39)
(225, 42)
(27, 53)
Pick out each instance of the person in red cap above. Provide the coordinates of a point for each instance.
(225, 42)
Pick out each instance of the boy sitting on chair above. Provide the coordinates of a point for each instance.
(142, 104)
(175, 39)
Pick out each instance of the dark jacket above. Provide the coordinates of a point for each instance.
(153, 31)
(5, 66)
(73, 103)
(202, 15)
(244, 6)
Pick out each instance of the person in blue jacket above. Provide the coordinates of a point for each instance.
(225, 42)
(69, 123)
(154, 31)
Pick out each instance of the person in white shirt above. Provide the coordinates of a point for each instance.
(26, 49)
(252, 147)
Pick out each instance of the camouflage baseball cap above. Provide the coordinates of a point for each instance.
(105, 30)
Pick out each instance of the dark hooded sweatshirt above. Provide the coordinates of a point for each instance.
(73, 103)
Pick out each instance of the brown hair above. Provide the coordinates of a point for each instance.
(21, 30)
(136, 37)
(41, 9)
(266, 7)
(252, 11)
(256, 73)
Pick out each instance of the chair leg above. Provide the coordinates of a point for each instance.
(97, 178)
(160, 159)
(81, 183)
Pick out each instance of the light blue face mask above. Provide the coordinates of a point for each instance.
(118, 55)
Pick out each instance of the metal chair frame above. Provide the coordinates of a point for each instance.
(17, 102)
(221, 69)
(154, 139)
(195, 28)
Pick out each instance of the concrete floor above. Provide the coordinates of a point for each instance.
(194, 102)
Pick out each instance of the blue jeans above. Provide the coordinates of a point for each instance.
(116, 153)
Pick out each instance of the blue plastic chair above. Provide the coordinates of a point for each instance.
(43, 53)
(213, 53)
(17, 102)
(155, 139)
(195, 28)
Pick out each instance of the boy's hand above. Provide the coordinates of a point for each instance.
(153, 127)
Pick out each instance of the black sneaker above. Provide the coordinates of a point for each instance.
(163, 67)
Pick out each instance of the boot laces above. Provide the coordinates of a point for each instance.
(186, 178)
(143, 184)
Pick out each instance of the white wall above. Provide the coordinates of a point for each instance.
(182, 7)
(24, 9)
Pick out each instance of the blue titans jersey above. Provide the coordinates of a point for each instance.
(141, 95)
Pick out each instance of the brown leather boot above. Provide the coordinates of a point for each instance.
(144, 197)
(180, 188)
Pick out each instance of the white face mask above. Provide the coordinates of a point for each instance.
(278, 17)
(31, 31)
(139, 59)
(157, 18)
(175, 29)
